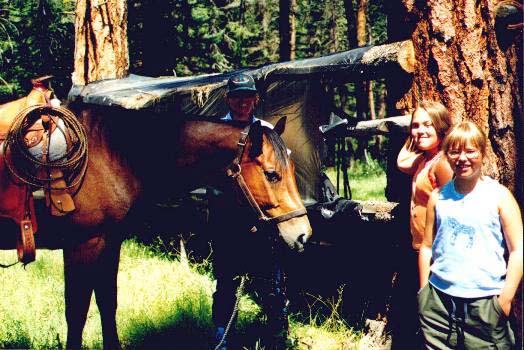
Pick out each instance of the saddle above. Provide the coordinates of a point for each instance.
(16, 197)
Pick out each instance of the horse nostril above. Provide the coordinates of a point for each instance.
(302, 238)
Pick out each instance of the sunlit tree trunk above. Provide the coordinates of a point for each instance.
(362, 87)
(462, 64)
(101, 49)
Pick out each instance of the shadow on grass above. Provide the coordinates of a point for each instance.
(187, 332)
(22, 340)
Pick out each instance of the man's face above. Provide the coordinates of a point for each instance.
(242, 104)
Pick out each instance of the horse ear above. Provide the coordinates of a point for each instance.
(281, 125)
(256, 135)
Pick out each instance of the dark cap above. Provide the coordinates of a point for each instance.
(241, 82)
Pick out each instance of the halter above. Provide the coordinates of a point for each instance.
(234, 171)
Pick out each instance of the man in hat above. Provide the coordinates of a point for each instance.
(236, 249)
(242, 99)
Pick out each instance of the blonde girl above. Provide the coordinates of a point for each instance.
(467, 285)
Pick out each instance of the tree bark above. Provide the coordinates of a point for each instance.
(469, 65)
(101, 49)
(462, 65)
(362, 86)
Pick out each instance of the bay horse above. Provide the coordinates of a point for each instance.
(136, 158)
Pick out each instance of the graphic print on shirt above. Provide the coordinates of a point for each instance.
(458, 228)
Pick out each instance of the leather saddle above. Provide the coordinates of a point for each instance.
(16, 197)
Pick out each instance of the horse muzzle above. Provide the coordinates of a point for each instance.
(295, 232)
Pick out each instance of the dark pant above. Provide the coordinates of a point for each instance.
(257, 258)
(462, 323)
(238, 251)
(403, 322)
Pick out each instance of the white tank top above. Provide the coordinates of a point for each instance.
(468, 249)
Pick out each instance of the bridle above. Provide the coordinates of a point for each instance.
(234, 171)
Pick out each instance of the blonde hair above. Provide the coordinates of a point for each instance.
(438, 114)
(462, 134)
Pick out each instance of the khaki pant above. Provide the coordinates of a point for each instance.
(457, 323)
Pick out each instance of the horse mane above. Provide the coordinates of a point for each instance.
(278, 145)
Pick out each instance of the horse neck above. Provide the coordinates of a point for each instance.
(165, 157)
(200, 140)
(206, 148)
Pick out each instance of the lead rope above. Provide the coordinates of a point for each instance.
(240, 291)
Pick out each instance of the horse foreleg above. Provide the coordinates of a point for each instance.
(106, 294)
(86, 267)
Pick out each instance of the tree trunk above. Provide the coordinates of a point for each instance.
(293, 29)
(382, 102)
(43, 42)
(264, 15)
(287, 29)
(466, 61)
(462, 65)
(351, 23)
(362, 87)
(157, 25)
(362, 36)
(101, 50)
(399, 28)
(332, 25)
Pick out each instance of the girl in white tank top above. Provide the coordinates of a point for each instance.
(470, 223)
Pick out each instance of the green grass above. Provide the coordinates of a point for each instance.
(367, 181)
(161, 300)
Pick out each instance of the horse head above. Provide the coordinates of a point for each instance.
(265, 174)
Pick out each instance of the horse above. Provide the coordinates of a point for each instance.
(141, 157)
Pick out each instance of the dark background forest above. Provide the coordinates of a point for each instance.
(190, 37)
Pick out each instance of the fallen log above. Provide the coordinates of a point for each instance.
(378, 211)
(363, 63)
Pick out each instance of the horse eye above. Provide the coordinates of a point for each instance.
(272, 176)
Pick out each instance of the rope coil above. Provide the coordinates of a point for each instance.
(23, 166)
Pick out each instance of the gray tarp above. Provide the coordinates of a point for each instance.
(204, 95)
(291, 89)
